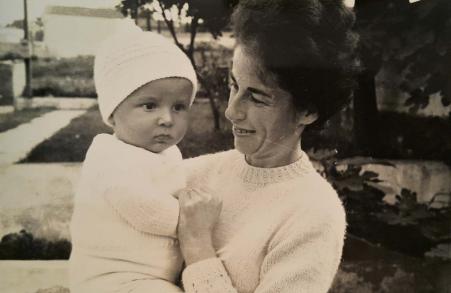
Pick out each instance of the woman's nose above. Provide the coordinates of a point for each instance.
(165, 118)
(235, 109)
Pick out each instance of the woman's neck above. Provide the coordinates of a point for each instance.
(275, 159)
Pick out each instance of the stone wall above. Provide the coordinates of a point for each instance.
(430, 180)
(12, 77)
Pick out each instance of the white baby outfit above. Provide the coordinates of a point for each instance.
(125, 219)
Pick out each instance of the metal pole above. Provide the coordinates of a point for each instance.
(28, 89)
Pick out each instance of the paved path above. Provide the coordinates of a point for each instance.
(16, 143)
(29, 276)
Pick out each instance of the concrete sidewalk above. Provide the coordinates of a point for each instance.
(16, 143)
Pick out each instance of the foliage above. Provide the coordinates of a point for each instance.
(18, 23)
(413, 40)
(408, 226)
(23, 245)
(410, 41)
(404, 137)
(213, 64)
(63, 77)
(63, 87)
(81, 67)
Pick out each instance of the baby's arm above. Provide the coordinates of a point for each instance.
(146, 209)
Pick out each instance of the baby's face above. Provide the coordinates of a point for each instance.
(155, 116)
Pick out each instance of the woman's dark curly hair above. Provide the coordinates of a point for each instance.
(306, 45)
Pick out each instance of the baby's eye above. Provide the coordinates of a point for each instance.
(149, 106)
(180, 107)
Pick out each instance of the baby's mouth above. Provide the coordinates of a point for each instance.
(162, 138)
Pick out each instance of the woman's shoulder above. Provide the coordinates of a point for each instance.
(314, 195)
(205, 166)
(209, 160)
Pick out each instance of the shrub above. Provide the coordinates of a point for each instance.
(24, 246)
(66, 77)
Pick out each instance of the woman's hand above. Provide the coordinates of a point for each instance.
(199, 212)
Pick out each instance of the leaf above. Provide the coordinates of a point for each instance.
(354, 183)
(442, 251)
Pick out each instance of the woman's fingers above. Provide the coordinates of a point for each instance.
(199, 211)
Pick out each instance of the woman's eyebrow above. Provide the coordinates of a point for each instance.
(251, 89)
(259, 92)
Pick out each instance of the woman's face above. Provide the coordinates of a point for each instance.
(266, 127)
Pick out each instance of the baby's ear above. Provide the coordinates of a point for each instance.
(111, 120)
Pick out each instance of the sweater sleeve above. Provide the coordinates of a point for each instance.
(303, 262)
(144, 209)
(207, 276)
(298, 262)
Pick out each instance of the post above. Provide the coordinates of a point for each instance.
(28, 89)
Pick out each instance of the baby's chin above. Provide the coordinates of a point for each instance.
(158, 147)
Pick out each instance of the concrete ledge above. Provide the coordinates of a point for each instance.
(61, 103)
(431, 180)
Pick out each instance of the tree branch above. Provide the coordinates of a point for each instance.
(193, 32)
(170, 25)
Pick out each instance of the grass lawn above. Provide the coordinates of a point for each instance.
(14, 119)
(71, 143)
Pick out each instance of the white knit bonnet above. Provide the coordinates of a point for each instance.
(132, 58)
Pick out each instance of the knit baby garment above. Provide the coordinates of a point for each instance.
(125, 218)
(280, 230)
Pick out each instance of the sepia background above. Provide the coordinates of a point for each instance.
(388, 153)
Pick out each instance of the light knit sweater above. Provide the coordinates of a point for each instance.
(125, 218)
(280, 230)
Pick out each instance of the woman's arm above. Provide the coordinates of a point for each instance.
(295, 261)
(303, 262)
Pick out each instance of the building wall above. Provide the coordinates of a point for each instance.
(70, 36)
(10, 35)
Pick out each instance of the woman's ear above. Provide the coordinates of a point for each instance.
(306, 117)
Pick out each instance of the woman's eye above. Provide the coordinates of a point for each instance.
(255, 100)
(180, 107)
(149, 106)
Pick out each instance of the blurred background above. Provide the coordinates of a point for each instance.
(388, 153)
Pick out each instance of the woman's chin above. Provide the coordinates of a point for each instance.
(243, 147)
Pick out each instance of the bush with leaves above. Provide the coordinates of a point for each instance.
(24, 246)
(407, 226)
(63, 77)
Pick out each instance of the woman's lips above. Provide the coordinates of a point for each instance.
(238, 131)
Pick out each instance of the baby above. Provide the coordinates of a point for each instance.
(125, 218)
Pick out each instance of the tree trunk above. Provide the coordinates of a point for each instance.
(148, 20)
(366, 132)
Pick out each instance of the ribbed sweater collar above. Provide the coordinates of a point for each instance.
(257, 175)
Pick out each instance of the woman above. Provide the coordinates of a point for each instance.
(259, 218)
